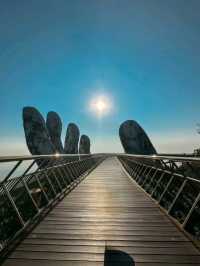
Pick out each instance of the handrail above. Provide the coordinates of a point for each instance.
(159, 157)
(175, 157)
(31, 157)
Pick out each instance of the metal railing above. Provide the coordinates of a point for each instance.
(26, 197)
(173, 181)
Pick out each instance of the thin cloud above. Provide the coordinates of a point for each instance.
(183, 141)
(176, 142)
(13, 146)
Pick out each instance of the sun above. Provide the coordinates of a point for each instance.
(100, 105)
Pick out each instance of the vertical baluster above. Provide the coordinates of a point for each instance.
(13, 205)
(177, 195)
(166, 188)
(30, 196)
(152, 178)
(191, 210)
(142, 173)
(157, 183)
(146, 178)
(140, 169)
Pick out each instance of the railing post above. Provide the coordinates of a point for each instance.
(140, 169)
(142, 173)
(177, 195)
(152, 178)
(146, 177)
(28, 191)
(167, 186)
(157, 183)
(191, 210)
(42, 188)
(50, 183)
(14, 205)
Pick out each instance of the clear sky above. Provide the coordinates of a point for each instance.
(144, 54)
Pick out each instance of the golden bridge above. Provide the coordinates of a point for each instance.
(99, 209)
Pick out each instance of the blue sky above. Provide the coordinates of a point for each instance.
(56, 54)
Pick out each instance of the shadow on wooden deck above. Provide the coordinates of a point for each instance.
(113, 257)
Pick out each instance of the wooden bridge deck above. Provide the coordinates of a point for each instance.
(106, 209)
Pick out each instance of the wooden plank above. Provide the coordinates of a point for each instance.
(23, 262)
(77, 263)
(78, 242)
(30, 255)
(121, 227)
(106, 209)
(113, 231)
(105, 237)
(100, 249)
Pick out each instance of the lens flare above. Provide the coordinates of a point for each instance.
(100, 105)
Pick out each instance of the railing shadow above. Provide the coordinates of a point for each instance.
(117, 258)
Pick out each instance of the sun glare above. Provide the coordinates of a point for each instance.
(100, 105)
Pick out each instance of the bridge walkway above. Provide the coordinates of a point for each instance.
(107, 209)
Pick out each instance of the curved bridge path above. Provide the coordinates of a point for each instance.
(106, 210)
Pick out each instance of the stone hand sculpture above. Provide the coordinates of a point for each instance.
(36, 134)
(71, 139)
(54, 126)
(84, 145)
(134, 139)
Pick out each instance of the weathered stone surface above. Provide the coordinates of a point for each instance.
(54, 126)
(71, 139)
(134, 139)
(36, 134)
(84, 145)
